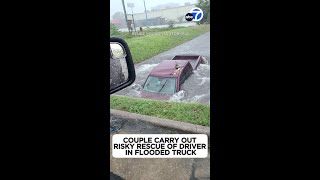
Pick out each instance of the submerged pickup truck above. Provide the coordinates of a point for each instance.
(167, 77)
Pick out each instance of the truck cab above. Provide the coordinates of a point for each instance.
(166, 79)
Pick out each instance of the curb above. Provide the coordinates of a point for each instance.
(187, 127)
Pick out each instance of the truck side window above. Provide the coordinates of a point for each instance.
(189, 71)
(183, 75)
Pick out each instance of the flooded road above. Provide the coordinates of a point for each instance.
(195, 89)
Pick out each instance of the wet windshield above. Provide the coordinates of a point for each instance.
(160, 85)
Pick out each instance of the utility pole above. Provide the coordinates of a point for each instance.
(125, 14)
(134, 26)
(131, 5)
(145, 10)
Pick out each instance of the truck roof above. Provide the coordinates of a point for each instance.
(167, 67)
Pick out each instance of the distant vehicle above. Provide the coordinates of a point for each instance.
(167, 78)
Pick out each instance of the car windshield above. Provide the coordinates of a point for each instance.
(160, 85)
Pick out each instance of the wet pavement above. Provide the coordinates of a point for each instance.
(156, 169)
(196, 88)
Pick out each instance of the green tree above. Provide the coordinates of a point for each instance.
(114, 31)
(205, 6)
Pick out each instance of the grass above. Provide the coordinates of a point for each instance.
(127, 35)
(186, 112)
(157, 41)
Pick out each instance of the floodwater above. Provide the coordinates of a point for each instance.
(195, 89)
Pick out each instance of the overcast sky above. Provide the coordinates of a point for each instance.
(116, 5)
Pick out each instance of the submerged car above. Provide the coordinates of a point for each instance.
(167, 77)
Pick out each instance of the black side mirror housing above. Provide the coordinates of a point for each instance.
(122, 72)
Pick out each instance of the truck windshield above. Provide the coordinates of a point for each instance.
(160, 85)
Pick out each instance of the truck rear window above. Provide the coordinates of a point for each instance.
(160, 85)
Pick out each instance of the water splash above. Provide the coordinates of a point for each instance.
(205, 61)
(178, 96)
(135, 90)
(204, 67)
(203, 80)
(196, 72)
(134, 93)
(198, 97)
(136, 87)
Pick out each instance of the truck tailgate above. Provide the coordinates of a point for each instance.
(194, 60)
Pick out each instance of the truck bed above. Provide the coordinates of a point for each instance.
(193, 59)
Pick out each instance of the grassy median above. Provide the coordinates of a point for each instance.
(145, 46)
(187, 112)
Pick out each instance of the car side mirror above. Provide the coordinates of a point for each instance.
(122, 72)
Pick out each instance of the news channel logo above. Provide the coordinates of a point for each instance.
(195, 14)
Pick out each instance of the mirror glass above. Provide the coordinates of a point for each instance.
(117, 51)
(118, 65)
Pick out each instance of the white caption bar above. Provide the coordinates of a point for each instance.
(160, 145)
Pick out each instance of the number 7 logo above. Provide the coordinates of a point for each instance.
(197, 14)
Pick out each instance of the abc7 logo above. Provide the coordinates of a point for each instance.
(196, 14)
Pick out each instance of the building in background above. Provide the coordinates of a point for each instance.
(119, 23)
(159, 15)
(165, 6)
(162, 16)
